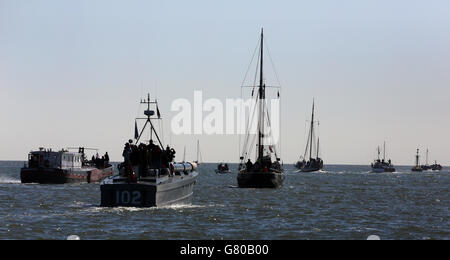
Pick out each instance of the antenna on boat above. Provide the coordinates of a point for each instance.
(149, 113)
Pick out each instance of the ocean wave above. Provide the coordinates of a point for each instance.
(9, 180)
(96, 209)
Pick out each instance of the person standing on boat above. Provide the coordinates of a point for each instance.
(126, 153)
(106, 158)
(249, 165)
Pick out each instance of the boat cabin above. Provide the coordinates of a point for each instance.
(46, 158)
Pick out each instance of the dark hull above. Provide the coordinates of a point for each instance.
(60, 176)
(311, 169)
(384, 169)
(436, 168)
(223, 172)
(175, 190)
(312, 166)
(260, 179)
(299, 165)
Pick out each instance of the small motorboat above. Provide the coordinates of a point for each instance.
(222, 168)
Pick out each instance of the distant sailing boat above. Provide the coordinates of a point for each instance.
(199, 154)
(314, 164)
(184, 154)
(264, 173)
(434, 167)
(426, 167)
(417, 168)
(380, 166)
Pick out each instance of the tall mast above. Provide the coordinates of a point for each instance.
(427, 158)
(198, 149)
(384, 151)
(312, 133)
(262, 96)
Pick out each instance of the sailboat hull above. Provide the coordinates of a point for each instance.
(381, 170)
(311, 169)
(314, 165)
(271, 180)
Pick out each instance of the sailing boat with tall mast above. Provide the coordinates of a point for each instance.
(199, 154)
(265, 172)
(313, 164)
(426, 167)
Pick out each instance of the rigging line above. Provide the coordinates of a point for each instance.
(271, 135)
(245, 78)
(280, 126)
(249, 126)
(251, 62)
(307, 144)
(250, 138)
(256, 73)
(240, 136)
(273, 64)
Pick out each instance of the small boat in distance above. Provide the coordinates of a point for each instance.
(436, 166)
(379, 166)
(199, 154)
(149, 177)
(265, 172)
(314, 164)
(222, 168)
(48, 167)
(417, 168)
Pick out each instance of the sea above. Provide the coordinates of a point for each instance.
(342, 202)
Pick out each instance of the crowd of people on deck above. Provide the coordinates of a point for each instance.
(98, 162)
(264, 163)
(149, 155)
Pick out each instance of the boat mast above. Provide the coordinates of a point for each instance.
(198, 149)
(312, 133)
(427, 158)
(384, 151)
(262, 96)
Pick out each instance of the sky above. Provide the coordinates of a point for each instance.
(72, 72)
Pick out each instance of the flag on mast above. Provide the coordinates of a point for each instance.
(136, 132)
(157, 111)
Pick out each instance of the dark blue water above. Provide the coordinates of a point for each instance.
(343, 202)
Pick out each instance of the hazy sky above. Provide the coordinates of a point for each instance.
(72, 72)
